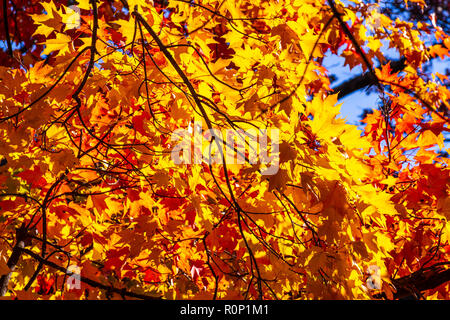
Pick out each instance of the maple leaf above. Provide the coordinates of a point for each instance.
(49, 21)
(33, 177)
(278, 181)
(151, 276)
(61, 43)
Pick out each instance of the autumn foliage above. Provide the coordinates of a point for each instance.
(87, 112)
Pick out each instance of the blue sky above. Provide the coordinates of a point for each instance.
(353, 104)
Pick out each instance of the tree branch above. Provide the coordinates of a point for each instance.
(365, 80)
(371, 72)
(409, 287)
(412, 285)
(88, 281)
(21, 235)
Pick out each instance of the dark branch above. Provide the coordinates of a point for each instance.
(410, 287)
(420, 281)
(365, 80)
(88, 281)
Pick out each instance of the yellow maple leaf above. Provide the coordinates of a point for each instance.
(428, 138)
(390, 181)
(61, 43)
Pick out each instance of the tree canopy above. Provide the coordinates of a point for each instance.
(95, 94)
